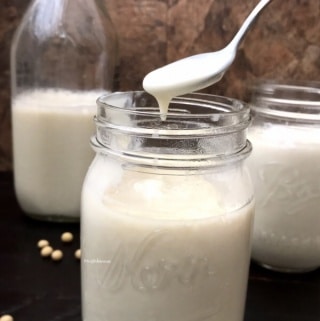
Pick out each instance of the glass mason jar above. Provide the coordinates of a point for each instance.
(285, 167)
(62, 59)
(166, 210)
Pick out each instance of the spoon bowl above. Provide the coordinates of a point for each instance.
(189, 74)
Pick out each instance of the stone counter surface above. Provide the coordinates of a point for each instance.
(284, 43)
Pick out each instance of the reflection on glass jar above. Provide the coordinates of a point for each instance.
(167, 211)
(285, 134)
(63, 58)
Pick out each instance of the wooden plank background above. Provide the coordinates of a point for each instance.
(283, 44)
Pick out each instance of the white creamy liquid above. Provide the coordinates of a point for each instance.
(185, 76)
(285, 168)
(51, 133)
(160, 248)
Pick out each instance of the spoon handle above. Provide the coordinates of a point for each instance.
(235, 42)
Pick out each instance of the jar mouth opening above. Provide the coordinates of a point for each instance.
(197, 128)
(191, 114)
(287, 100)
(142, 103)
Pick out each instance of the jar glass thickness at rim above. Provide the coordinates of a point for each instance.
(200, 129)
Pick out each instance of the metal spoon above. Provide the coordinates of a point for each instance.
(198, 71)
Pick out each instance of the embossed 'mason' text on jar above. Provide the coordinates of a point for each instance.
(167, 211)
(285, 166)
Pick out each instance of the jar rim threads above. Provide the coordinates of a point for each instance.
(201, 127)
(289, 100)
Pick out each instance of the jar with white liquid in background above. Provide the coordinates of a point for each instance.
(167, 209)
(285, 167)
(62, 59)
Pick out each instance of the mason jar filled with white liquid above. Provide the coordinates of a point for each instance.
(167, 208)
(285, 166)
(63, 58)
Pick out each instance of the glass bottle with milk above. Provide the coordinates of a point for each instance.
(63, 58)
(167, 210)
(285, 166)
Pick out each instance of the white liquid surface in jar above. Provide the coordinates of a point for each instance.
(166, 250)
(51, 134)
(285, 169)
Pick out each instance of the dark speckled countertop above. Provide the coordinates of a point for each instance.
(37, 289)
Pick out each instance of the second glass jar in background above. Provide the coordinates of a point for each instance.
(63, 58)
(167, 210)
(285, 167)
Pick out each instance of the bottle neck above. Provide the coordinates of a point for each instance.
(52, 17)
(64, 44)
